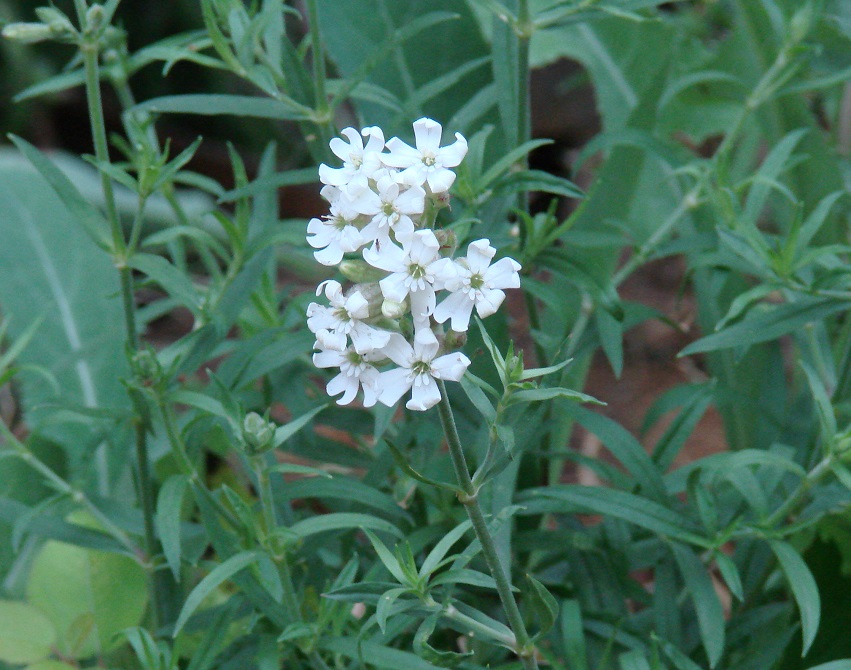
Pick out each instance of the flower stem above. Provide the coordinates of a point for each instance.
(90, 50)
(468, 495)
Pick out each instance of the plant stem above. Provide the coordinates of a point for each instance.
(468, 495)
(78, 496)
(279, 555)
(90, 49)
(323, 110)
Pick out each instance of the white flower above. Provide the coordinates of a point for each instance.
(428, 162)
(359, 161)
(356, 371)
(391, 209)
(474, 282)
(343, 318)
(410, 271)
(334, 236)
(418, 369)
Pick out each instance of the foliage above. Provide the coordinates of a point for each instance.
(197, 502)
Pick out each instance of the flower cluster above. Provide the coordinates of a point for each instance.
(385, 333)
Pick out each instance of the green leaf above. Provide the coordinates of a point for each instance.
(90, 596)
(285, 432)
(507, 161)
(343, 521)
(84, 212)
(296, 469)
(216, 105)
(821, 399)
(768, 325)
(168, 518)
(538, 181)
(353, 491)
(220, 574)
(844, 664)
(379, 655)
(572, 635)
(436, 555)
(387, 558)
(172, 280)
(402, 463)
(538, 395)
(803, 587)
(466, 576)
(544, 605)
(730, 573)
(479, 399)
(26, 635)
(50, 267)
(618, 504)
(633, 660)
(710, 613)
(445, 659)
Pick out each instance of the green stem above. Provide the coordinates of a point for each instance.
(78, 496)
(270, 521)
(89, 48)
(323, 110)
(817, 474)
(469, 497)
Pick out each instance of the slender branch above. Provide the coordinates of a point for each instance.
(469, 497)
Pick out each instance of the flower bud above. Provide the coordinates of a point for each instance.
(146, 366)
(258, 434)
(372, 294)
(453, 340)
(94, 18)
(394, 310)
(360, 271)
(448, 242)
(28, 33)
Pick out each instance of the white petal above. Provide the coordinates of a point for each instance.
(450, 367)
(440, 180)
(328, 359)
(394, 287)
(490, 301)
(333, 176)
(345, 384)
(369, 382)
(458, 306)
(503, 274)
(330, 255)
(425, 345)
(330, 339)
(366, 338)
(401, 155)
(424, 396)
(427, 132)
(388, 257)
(446, 274)
(452, 155)
(399, 350)
(392, 385)
(357, 306)
(479, 256)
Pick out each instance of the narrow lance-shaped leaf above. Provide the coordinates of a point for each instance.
(803, 587)
(206, 586)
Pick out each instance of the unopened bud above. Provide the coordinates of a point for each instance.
(28, 33)
(146, 366)
(802, 23)
(371, 292)
(360, 271)
(94, 18)
(448, 241)
(258, 434)
(454, 340)
(394, 310)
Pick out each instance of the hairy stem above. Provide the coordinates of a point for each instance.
(469, 497)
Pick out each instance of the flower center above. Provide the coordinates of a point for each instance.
(342, 315)
(429, 159)
(477, 281)
(388, 209)
(421, 368)
(355, 160)
(416, 271)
